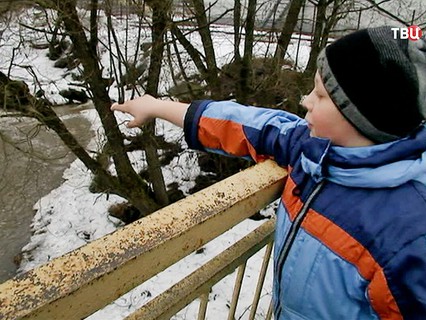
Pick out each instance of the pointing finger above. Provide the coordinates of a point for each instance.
(118, 107)
(132, 124)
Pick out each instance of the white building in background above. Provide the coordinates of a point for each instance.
(270, 10)
(274, 11)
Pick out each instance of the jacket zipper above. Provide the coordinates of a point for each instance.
(295, 226)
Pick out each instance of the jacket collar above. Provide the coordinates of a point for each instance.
(379, 166)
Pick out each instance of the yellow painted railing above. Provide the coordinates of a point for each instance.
(87, 279)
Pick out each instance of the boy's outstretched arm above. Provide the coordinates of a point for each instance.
(225, 127)
(147, 107)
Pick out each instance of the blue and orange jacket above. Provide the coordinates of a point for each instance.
(350, 240)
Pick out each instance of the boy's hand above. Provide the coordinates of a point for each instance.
(141, 108)
(147, 107)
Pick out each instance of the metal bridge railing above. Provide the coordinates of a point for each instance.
(87, 279)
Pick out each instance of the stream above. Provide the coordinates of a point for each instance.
(30, 168)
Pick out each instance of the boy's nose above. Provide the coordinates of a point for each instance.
(304, 101)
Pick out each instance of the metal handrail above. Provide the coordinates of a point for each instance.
(87, 279)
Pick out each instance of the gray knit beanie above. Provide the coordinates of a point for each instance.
(377, 82)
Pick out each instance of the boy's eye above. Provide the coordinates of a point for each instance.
(318, 94)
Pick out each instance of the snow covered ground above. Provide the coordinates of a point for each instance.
(70, 216)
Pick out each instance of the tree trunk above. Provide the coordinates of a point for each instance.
(193, 53)
(55, 49)
(132, 186)
(246, 63)
(287, 30)
(112, 38)
(317, 37)
(237, 30)
(204, 30)
(94, 25)
(160, 17)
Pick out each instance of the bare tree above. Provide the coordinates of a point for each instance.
(328, 14)
(127, 183)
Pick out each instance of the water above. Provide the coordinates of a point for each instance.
(29, 170)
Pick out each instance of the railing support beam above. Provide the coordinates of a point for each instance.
(198, 282)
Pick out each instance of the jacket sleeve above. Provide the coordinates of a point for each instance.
(408, 279)
(233, 129)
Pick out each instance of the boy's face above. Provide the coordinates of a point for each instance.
(326, 121)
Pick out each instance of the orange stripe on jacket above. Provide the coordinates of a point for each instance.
(352, 251)
(289, 198)
(226, 135)
(344, 245)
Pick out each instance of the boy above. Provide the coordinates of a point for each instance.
(350, 239)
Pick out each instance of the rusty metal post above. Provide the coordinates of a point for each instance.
(204, 301)
(260, 281)
(237, 289)
(269, 313)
